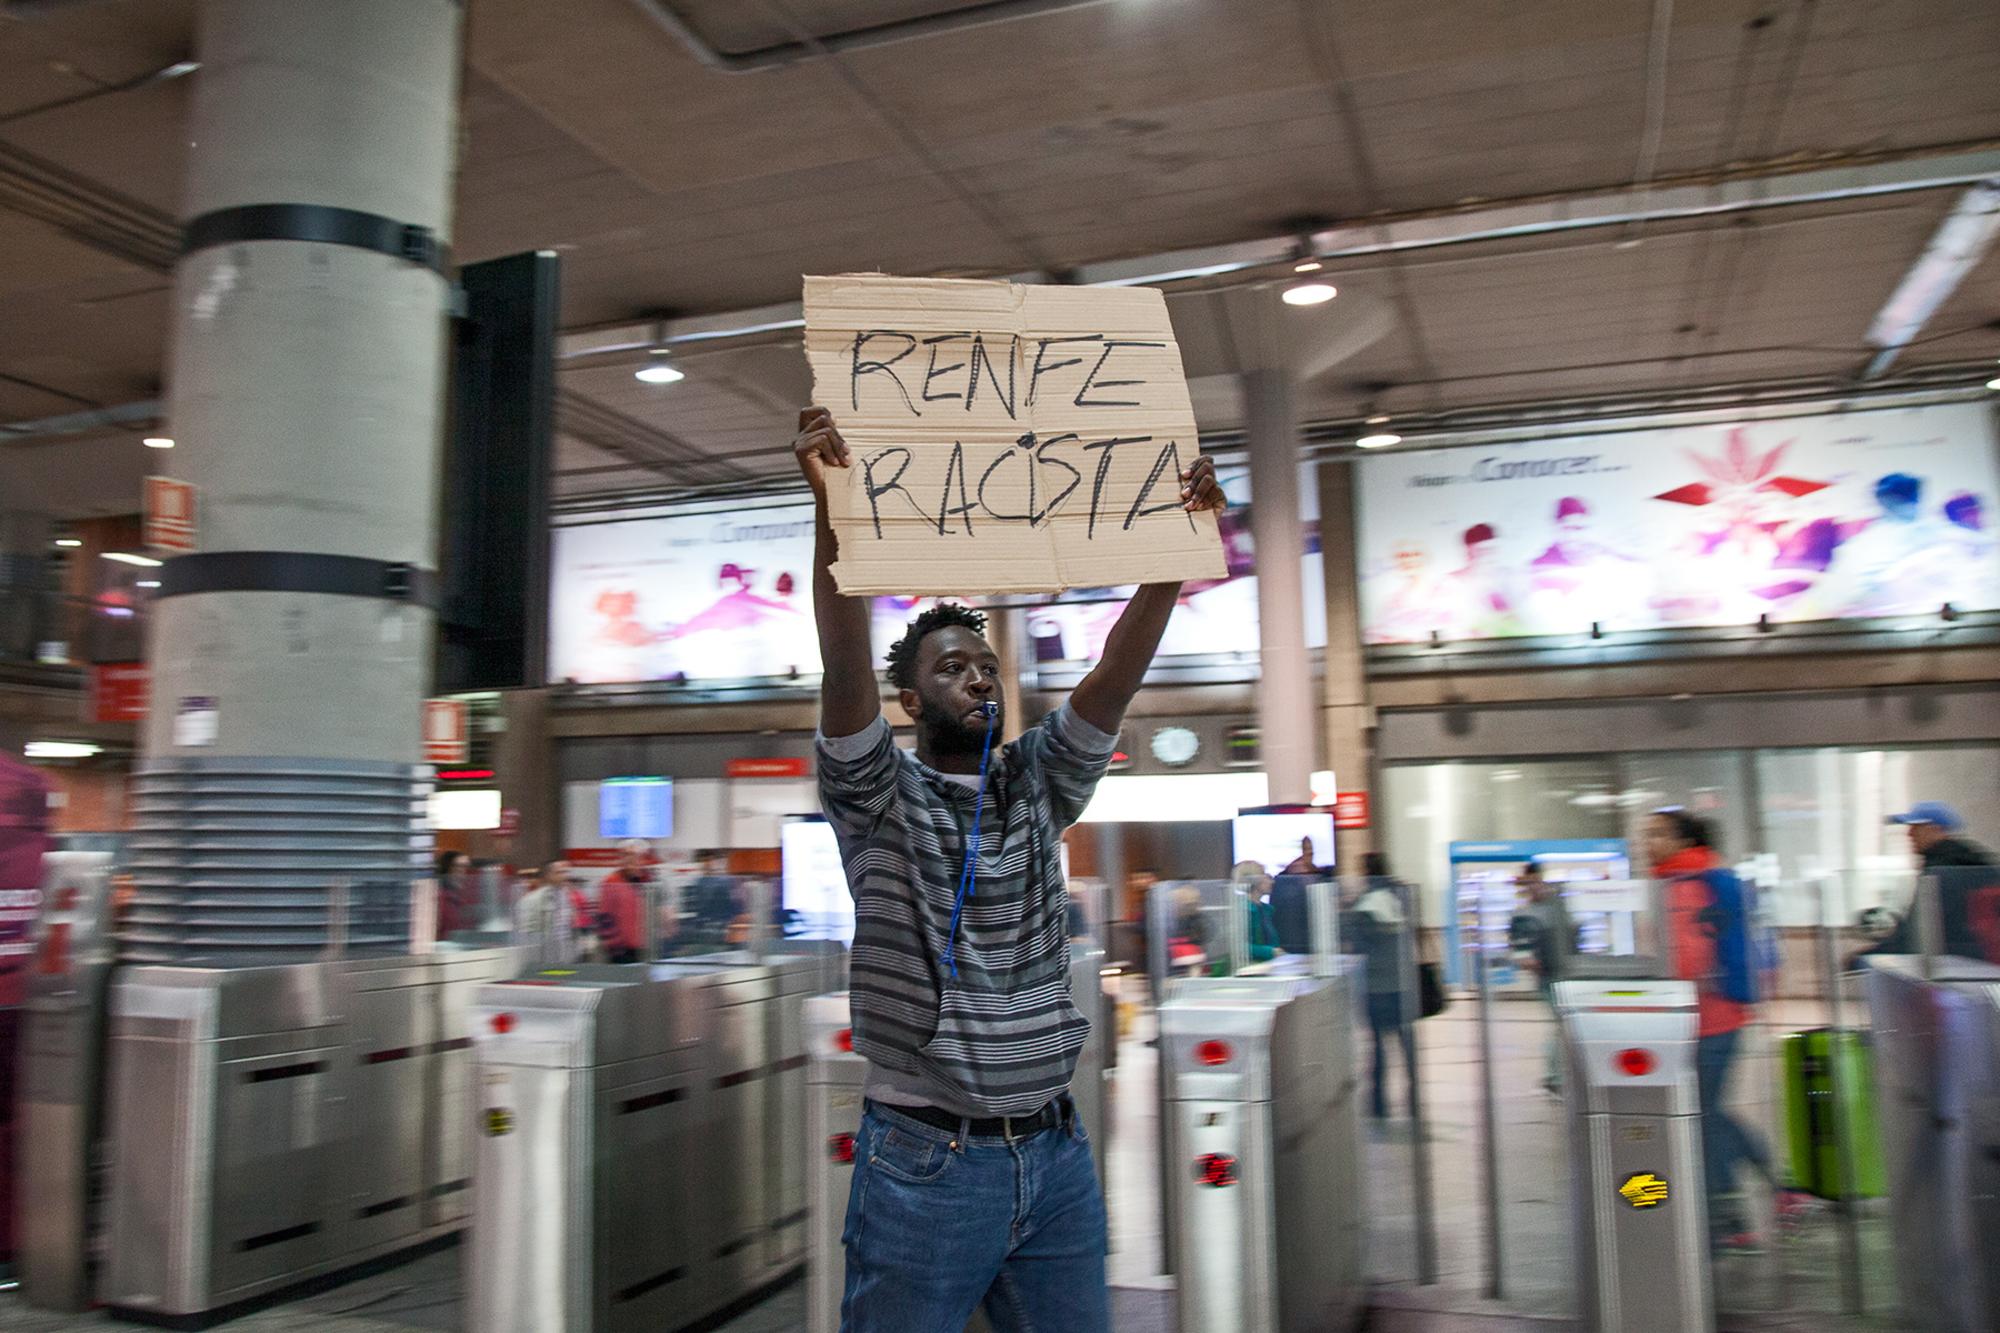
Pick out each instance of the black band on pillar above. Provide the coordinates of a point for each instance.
(298, 571)
(317, 222)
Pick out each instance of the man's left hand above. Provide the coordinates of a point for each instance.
(1199, 488)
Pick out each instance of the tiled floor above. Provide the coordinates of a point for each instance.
(1794, 1285)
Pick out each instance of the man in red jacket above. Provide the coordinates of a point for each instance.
(621, 904)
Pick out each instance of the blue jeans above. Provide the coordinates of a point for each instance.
(938, 1224)
(1724, 1142)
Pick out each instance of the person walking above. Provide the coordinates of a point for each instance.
(457, 895)
(973, 1177)
(1968, 885)
(621, 904)
(542, 922)
(1711, 943)
(1544, 929)
(1379, 926)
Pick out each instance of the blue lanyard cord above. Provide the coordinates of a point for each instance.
(965, 876)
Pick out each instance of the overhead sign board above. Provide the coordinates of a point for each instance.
(1005, 438)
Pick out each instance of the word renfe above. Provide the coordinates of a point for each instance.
(1005, 438)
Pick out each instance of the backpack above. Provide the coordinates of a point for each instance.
(1727, 918)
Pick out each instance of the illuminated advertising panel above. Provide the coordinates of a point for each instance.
(1869, 513)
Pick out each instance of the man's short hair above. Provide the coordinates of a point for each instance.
(903, 652)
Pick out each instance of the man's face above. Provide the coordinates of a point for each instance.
(559, 872)
(1923, 837)
(632, 861)
(957, 671)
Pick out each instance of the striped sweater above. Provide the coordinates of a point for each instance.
(1003, 1038)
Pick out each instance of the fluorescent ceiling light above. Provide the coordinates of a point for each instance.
(147, 583)
(127, 558)
(1379, 440)
(1310, 293)
(69, 541)
(159, 442)
(62, 749)
(1306, 266)
(1991, 384)
(1379, 419)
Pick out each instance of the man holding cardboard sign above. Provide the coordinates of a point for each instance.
(973, 1181)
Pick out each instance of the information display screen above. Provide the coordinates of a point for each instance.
(814, 884)
(635, 808)
(1272, 840)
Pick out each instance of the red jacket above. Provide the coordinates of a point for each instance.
(623, 901)
(1692, 941)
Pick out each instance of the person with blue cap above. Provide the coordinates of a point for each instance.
(1968, 882)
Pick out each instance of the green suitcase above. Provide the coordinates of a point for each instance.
(1815, 1156)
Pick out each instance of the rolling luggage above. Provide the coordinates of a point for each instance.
(1813, 1157)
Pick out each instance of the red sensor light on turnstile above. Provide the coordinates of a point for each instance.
(1636, 1061)
(503, 1023)
(1215, 1169)
(841, 1148)
(843, 1040)
(1213, 1053)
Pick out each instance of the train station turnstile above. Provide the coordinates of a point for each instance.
(637, 1166)
(1262, 1137)
(1639, 1206)
(305, 1137)
(834, 1076)
(1937, 1076)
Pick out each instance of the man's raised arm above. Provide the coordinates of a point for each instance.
(849, 697)
(1102, 696)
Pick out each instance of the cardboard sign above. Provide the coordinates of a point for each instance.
(447, 732)
(169, 515)
(1006, 439)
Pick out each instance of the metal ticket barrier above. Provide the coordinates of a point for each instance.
(834, 1077)
(267, 1125)
(637, 1166)
(1937, 1074)
(62, 1068)
(1262, 1135)
(1639, 1205)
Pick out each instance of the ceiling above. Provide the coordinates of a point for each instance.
(1074, 136)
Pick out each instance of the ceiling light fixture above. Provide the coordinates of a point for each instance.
(147, 583)
(1310, 293)
(127, 558)
(1994, 384)
(1307, 266)
(657, 370)
(61, 749)
(69, 541)
(1379, 419)
(159, 442)
(1379, 440)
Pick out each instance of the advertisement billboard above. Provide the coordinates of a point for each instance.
(1867, 513)
(721, 596)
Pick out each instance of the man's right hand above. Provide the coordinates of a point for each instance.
(819, 447)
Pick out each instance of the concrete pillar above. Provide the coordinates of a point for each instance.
(1284, 694)
(1349, 717)
(525, 767)
(307, 377)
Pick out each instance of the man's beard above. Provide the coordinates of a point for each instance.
(949, 734)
